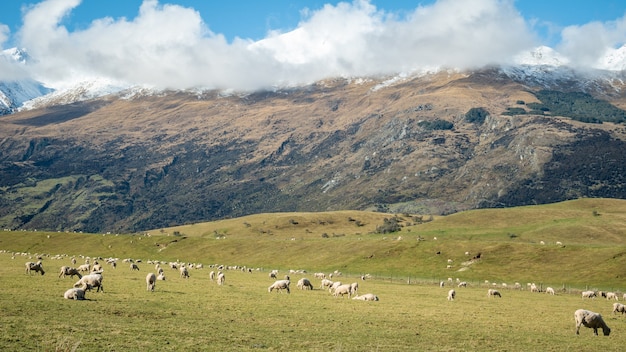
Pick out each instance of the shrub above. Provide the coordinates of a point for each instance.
(476, 115)
(436, 125)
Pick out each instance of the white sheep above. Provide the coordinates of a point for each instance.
(451, 295)
(550, 291)
(184, 273)
(305, 284)
(69, 271)
(36, 267)
(90, 281)
(588, 294)
(342, 290)
(161, 277)
(272, 275)
(619, 308)
(326, 283)
(279, 286)
(75, 293)
(462, 284)
(332, 287)
(212, 275)
(354, 287)
(366, 297)
(134, 266)
(84, 268)
(534, 288)
(150, 282)
(590, 320)
(493, 293)
(221, 278)
(611, 295)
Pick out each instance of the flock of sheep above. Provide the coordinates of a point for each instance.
(90, 276)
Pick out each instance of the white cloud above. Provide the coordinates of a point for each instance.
(170, 46)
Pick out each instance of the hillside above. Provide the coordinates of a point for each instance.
(131, 163)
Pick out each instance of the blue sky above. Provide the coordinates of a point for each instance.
(239, 44)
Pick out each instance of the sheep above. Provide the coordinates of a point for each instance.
(37, 267)
(305, 284)
(588, 294)
(354, 287)
(90, 281)
(221, 278)
(272, 275)
(611, 295)
(619, 308)
(134, 266)
(184, 273)
(451, 295)
(366, 297)
(590, 320)
(212, 275)
(493, 293)
(279, 286)
(332, 287)
(66, 270)
(75, 293)
(550, 291)
(84, 268)
(462, 284)
(534, 288)
(161, 277)
(326, 283)
(342, 290)
(150, 281)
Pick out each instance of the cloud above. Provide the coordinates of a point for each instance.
(169, 46)
(587, 44)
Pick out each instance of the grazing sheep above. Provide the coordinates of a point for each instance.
(221, 278)
(212, 275)
(161, 277)
(550, 291)
(534, 288)
(36, 267)
(590, 320)
(279, 286)
(184, 273)
(354, 287)
(326, 283)
(84, 268)
(611, 295)
(90, 281)
(342, 290)
(493, 293)
(134, 266)
(150, 282)
(69, 271)
(305, 284)
(366, 297)
(451, 295)
(75, 293)
(462, 284)
(332, 287)
(272, 275)
(588, 294)
(619, 308)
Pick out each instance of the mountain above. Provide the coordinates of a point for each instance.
(14, 92)
(137, 159)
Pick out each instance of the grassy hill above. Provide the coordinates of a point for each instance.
(515, 244)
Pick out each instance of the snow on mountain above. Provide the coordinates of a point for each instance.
(541, 66)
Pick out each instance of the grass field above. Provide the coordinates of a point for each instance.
(195, 314)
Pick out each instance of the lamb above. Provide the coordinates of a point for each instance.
(150, 282)
(75, 293)
(493, 293)
(451, 295)
(588, 294)
(590, 320)
(550, 291)
(305, 284)
(611, 295)
(343, 290)
(366, 297)
(619, 308)
(90, 281)
(37, 267)
(279, 286)
(221, 278)
(69, 271)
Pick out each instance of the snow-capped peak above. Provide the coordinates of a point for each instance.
(613, 60)
(541, 56)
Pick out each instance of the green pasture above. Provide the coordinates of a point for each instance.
(195, 314)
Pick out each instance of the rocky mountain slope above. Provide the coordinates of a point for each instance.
(436, 143)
